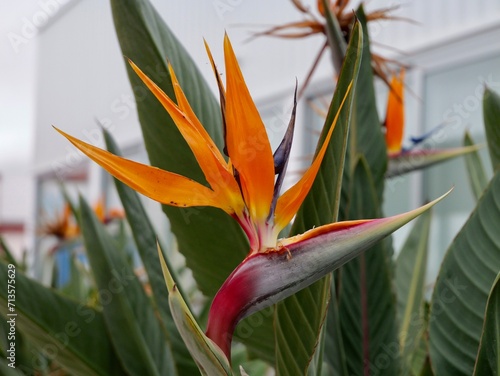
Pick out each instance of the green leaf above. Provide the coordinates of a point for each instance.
(367, 305)
(211, 241)
(299, 319)
(210, 359)
(145, 239)
(488, 358)
(420, 363)
(411, 267)
(257, 333)
(475, 169)
(362, 189)
(491, 111)
(467, 273)
(294, 357)
(26, 354)
(28, 359)
(131, 321)
(334, 354)
(366, 137)
(71, 334)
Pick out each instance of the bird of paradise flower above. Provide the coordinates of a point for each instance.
(402, 160)
(247, 187)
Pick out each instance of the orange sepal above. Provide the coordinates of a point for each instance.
(247, 141)
(162, 186)
(395, 117)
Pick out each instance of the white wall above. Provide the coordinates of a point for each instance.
(17, 100)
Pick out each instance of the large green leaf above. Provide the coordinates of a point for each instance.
(26, 353)
(371, 273)
(411, 266)
(475, 169)
(488, 358)
(257, 333)
(145, 239)
(367, 304)
(211, 241)
(69, 333)
(334, 354)
(467, 273)
(299, 319)
(420, 364)
(335, 357)
(366, 137)
(128, 312)
(491, 113)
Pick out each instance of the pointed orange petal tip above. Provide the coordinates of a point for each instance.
(247, 141)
